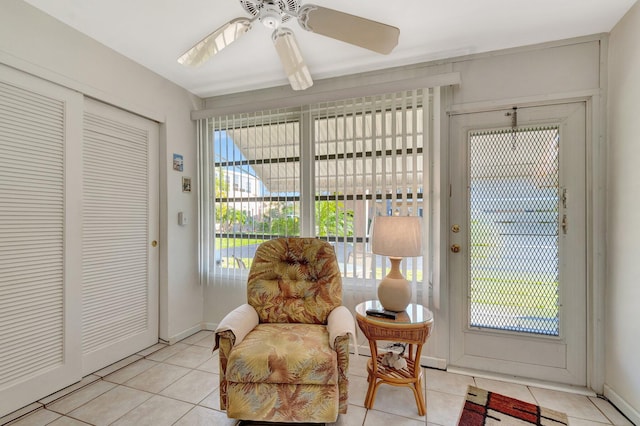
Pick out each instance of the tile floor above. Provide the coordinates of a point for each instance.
(177, 385)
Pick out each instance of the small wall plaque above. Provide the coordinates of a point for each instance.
(186, 184)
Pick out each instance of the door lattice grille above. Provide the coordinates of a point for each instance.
(514, 210)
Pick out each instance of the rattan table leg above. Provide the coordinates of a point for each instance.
(417, 391)
(371, 393)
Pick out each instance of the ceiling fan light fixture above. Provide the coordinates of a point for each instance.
(291, 58)
(271, 16)
(355, 30)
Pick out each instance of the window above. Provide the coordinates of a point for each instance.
(256, 184)
(369, 160)
(324, 170)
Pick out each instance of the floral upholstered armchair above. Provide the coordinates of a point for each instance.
(284, 355)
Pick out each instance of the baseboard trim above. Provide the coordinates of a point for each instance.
(211, 326)
(622, 405)
(579, 390)
(184, 334)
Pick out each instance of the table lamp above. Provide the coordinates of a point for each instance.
(396, 237)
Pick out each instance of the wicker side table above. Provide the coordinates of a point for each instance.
(413, 327)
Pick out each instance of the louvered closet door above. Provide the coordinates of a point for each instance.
(39, 215)
(120, 222)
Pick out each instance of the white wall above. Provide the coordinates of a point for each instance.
(34, 42)
(623, 230)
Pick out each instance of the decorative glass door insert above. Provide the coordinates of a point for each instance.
(514, 198)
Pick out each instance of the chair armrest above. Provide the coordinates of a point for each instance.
(240, 322)
(340, 323)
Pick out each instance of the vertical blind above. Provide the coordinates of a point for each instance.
(369, 160)
(322, 170)
(253, 180)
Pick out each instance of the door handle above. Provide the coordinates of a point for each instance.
(455, 248)
(154, 243)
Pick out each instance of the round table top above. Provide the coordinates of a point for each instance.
(414, 314)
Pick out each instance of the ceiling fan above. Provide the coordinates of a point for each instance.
(372, 35)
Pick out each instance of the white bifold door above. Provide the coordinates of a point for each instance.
(119, 235)
(78, 215)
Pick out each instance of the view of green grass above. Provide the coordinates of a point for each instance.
(236, 242)
(522, 294)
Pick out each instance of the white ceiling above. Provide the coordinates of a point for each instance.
(155, 32)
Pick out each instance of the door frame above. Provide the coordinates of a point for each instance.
(595, 217)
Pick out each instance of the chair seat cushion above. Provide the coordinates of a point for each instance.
(284, 353)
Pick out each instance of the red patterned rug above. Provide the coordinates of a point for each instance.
(489, 408)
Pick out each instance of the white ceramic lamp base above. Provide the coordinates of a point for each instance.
(394, 291)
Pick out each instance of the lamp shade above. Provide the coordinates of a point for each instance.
(397, 236)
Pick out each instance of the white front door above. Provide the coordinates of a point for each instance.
(119, 226)
(517, 242)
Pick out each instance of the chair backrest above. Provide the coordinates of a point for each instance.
(294, 280)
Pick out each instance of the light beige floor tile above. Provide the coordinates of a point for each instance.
(572, 405)
(97, 401)
(193, 387)
(397, 400)
(212, 365)
(157, 377)
(80, 397)
(380, 418)
(110, 406)
(357, 390)
(354, 417)
(191, 357)
(512, 390)
(611, 412)
(117, 365)
(19, 413)
(152, 349)
(37, 418)
(201, 416)
(156, 411)
(66, 391)
(195, 338)
(166, 352)
(443, 408)
(573, 421)
(358, 365)
(207, 341)
(67, 421)
(212, 400)
(443, 381)
(130, 371)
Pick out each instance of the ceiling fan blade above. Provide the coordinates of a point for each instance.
(291, 58)
(372, 35)
(216, 41)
